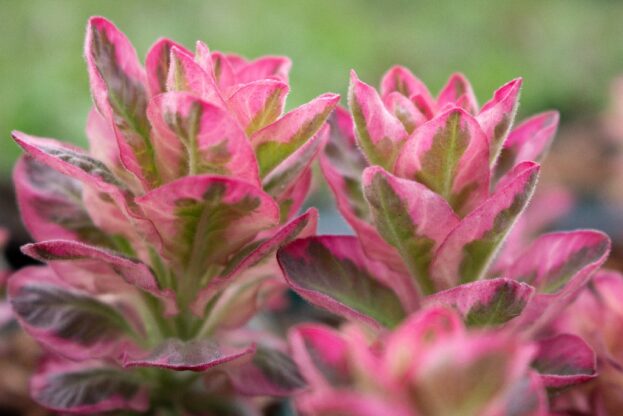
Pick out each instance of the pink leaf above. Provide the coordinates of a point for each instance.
(220, 66)
(108, 201)
(380, 134)
(400, 79)
(266, 67)
(188, 76)
(105, 264)
(333, 272)
(486, 302)
(289, 172)
(470, 247)
(449, 155)
(321, 355)
(530, 140)
(565, 360)
(258, 103)
(69, 321)
(119, 92)
(342, 164)
(194, 355)
(409, 217)
(457, 92)
(291, 202)
(158, 62)
(51, 205)
(103, 142)
(558, 265)
(554, 261)
(207, 219)
(194, 136)
(302, 226)
(405, 111)
(497, 116)
(275, 142)
(270, 373)
(90, 387)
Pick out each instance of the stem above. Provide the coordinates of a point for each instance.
(154, 308)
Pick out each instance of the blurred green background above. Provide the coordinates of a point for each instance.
(566, 50)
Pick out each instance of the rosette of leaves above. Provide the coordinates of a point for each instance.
(596, 316)
(431, 364)
(159, 240)
(432, 188)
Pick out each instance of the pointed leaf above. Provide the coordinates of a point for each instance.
(497, 116)
(302, 226)
(558, 265)
(332, 272)
(486, 303)
(343, 164)
(399, 79)
(546, 208)
(411, 218)
(105, 264)
(321, 355)
(271, 67)
(220, 67)
(554, 261)
(275, 142)
(108, 202)
(288, 173)
(186, 75)
(103, 143)
(379, 133)
(69, 321)
(193, 355)
(51, 204)
(87, 388)
(291, 202)
(194, 136)
(118, 89)
(458, 92)
(207, 218)
(405, 111)
(470, 247)
(449, 155)
(565, 360)
(158, 62)
(258, 103)
(530, 140)
(270, 373)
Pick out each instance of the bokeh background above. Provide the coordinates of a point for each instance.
(566, 50)
(569, 52)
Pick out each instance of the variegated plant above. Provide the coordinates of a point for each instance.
(159, 240)
(432, 188)
(596, 316)
(431, 365)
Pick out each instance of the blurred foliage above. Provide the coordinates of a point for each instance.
(567, 50)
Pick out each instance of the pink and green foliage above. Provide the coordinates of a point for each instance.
(597, 316)
(429, 365)
(432, 189)
(159, 240)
